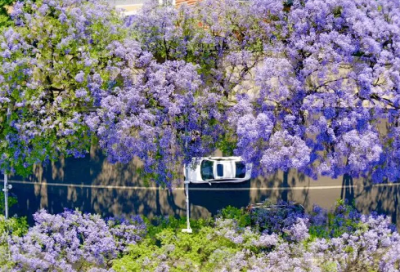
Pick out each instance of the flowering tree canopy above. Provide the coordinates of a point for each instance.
(333, 79)
(311, 85)
(53, 62)
(157, 116)
(79, 72)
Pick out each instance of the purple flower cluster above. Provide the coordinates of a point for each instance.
(126, 231)
(159, 115)
(280, 218)
(72, 241)
(372, 246)
(371, 243)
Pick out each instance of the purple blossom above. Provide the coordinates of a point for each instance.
(80, 77)
(284, 152)
(298, 231)
(81, 92)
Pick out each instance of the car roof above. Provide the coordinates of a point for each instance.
(219, 180)
(223, 158)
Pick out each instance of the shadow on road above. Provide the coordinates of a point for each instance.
(347, 192)
(95, 170)
(213, 201)
(382, 199)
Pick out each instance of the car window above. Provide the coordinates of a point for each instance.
(240, 170)
(220, 170)
(206, 170)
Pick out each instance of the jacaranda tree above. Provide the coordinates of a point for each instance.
(328, 100)
(172, 112)
(222, 38)
(159, 116)
(54, 62)
(310, 85)
(167, 118)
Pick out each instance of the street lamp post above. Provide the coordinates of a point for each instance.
(6, 186)
(187, 165)
(188, 228)
(5, 190)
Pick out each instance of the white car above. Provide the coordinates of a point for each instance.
(218, 170)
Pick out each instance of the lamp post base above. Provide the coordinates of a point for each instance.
(187, 230)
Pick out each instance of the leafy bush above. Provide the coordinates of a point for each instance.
(339, 240)
(15, 226)
(240, 215)
(342, 219)
(174, 249)
(12, 200)
(158, 223)
(275, 218)
(279, 218)
(126, 231)
(288, 240)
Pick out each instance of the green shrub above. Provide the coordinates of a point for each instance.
(11, 202)
(341, 219)
(157, 224)
(239, 214)
(180, 251)
(13, 226)
(16, 226)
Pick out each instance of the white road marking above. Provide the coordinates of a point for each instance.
(112, 187)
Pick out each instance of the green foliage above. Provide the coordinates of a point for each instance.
(11, 202)
(329, 267)
(159, 223)
(203, 250)
(16, 226)
(240, 215)
(181, 251)
(199, 251)
(227, 144)
(340, 220)
(318, 232)
(5, 19)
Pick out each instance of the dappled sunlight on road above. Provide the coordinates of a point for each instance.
(82, 184)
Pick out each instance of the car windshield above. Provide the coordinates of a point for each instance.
(240, 170)
(206, 170)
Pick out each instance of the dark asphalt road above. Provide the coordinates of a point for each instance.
(93, 185)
